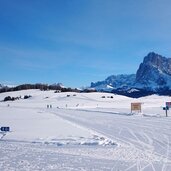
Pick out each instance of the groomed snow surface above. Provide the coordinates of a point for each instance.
(84, 131)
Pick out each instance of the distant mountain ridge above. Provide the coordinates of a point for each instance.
(152, 76)
(115, 81)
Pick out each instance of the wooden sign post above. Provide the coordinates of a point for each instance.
(136, 107)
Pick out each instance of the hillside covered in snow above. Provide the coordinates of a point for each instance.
(83, 131)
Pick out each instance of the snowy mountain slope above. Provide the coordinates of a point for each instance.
(82, 130)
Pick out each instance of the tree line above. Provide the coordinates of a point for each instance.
(42, 87)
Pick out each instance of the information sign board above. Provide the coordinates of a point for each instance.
(168, 104)
(5, 129)
(136, 107)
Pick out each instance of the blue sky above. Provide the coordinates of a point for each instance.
(79, 41)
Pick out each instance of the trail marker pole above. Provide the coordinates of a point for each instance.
(166, 109)
(166, 112)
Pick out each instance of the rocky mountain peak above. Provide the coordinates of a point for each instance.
(157, 61)
(153, 59)
(155, 71)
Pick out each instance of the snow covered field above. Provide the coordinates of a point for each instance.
(84, 131)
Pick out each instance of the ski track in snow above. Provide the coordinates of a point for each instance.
(136, 149)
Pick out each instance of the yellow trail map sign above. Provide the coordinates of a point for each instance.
(136, 107)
